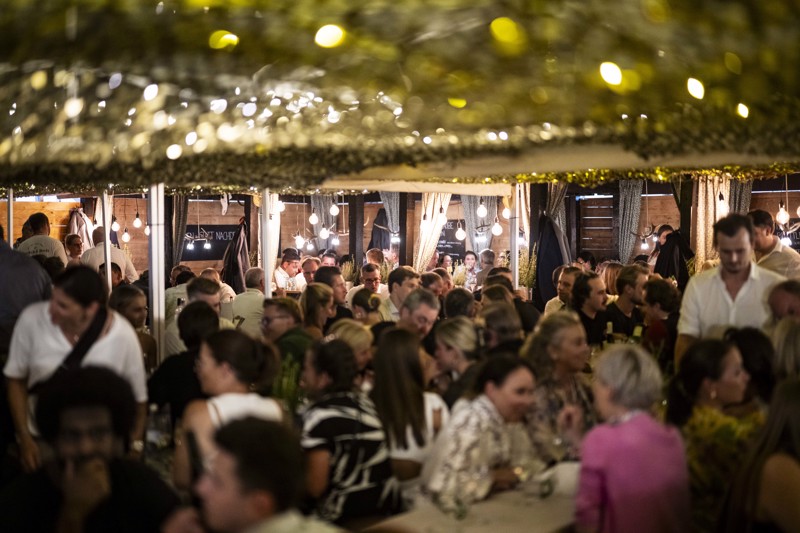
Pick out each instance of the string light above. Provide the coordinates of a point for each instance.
(506, 213)
(147, 230)
(334, 211)
(482, 211)
(126, 237)
(497, 229)
(335, 240)
(313, 219)
(722, 206)
(324, 233)
(299, 241)
(645, 246)
(460, 233)
(114, 224)
(783, 215)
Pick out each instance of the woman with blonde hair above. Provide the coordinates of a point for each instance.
(457, 351)
(558, 352)
(360, 339)
(365, 305)
(786, 339)
(318, 306)
(610, 274)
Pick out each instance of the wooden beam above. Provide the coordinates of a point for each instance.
(356, 224)
(402, 222)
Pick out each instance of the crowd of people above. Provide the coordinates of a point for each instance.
(325, 407)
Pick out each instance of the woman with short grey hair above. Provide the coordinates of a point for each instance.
(633, 468)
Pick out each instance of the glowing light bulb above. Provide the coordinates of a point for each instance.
(482, 211)
(334, 211)
(313, 219)
(497, 229)
(742, 110)
(695, 88)
(147, 230)
(611, 73)
(335, 240)
(506, 213)
(115, 225)
(137, 222)
(786, 241)
(310, 246)
(126, 237)
(190, 246)
(329, 36)
(324, 233)
(460, 233)
(722, 207)
(424, 223)
(207, 245)
(73, 107)
(299, 241)
(150, 92)
(783, 215)
(645, 246)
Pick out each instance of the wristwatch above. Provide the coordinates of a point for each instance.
(137, 446)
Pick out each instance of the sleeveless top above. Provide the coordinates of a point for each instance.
(232, 406)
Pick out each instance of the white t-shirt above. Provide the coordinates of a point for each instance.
(94, 257)
(38, 347)
(43, 245)
(383, 292)
(414, 452)
(233, 406)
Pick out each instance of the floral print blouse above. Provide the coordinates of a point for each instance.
(475, 441)
(549, 398)
(716, 445)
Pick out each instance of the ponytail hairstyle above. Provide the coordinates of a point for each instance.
(703, 360)
(253, 363)
(366, 300)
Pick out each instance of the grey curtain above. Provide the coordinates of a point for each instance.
(630, 206)
(741, 192)
(322, 205)
(470, 207)
(180, 214)
(391, 202)
(557, 211)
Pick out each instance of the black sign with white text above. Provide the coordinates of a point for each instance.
(448, 244)
(217, 236)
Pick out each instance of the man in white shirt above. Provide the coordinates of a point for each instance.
(402, 281)
(93, 257)
(250, 304)
(733, 294)
(199, 289)
(41, 243)
(227, 294)
(564, 288)
(288, 276)
(770, 252)
(371, 280)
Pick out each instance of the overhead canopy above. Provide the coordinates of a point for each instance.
(245, 94)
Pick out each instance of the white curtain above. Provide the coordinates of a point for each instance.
(524, 199)
(472, 221)
(321, 204)
(630, 207)
(274, 228)
(556, 194)
(430, 228)
(709, 209)
(391, 202)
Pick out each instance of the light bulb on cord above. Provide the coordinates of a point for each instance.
(313, 218)
(147, 230)
(334, 210)
(310, 246)
(324, 233)
(137, 222)
(424, 223)
(722, 206)
(497, 229)
(126, 237)
(299, 241)
(645, 246)
(506, 213)
(190, 246)
(480, 237)
(783, 215)
(482, 211)
(335, 240)
(281, 206)
(786, 241)
(395, 239)
(207, 245)
(442, 215)
(460, 233)
(115, 225)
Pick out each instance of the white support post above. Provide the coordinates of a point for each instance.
(155, 219)
(513, 227)
(266, 264)
(106, 210)
(10, 213)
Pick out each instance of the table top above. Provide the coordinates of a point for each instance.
(505, 512)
